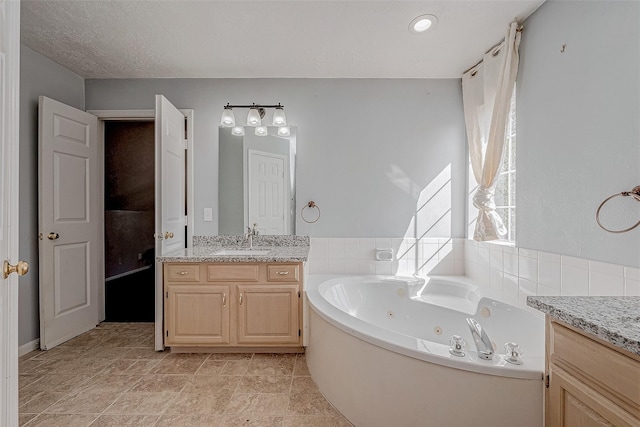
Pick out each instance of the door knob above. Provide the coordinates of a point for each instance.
(168, 235)
(52, 236)
(21, 268)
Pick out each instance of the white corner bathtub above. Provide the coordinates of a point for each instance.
(378, 348)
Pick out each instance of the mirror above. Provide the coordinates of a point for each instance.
(256, 182)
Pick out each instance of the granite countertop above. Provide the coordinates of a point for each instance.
(615, 320)
(206, 248)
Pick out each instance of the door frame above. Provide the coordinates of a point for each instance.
(146, 115)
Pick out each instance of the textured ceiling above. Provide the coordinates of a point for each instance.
(238, 38)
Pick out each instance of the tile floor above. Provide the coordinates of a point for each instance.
(110, 376)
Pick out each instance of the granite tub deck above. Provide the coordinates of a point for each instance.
(615, 320)
(205, 249)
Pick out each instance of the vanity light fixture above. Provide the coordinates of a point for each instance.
(279, 119)
(261, 130)
(422, 23)
(255, 116)
(284, 131)
(237, 131)
(228, 118)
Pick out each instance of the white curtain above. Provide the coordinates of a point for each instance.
(486, 91)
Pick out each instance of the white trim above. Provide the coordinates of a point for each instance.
(66, 338)
(188, 114)
(123, 114)
(28, 347)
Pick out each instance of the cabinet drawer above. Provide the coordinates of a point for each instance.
(601, 365)
(183, 272)
(233, 273)
(283, 273)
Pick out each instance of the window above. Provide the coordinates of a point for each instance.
(505, 194)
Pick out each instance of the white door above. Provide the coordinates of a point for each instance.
(9, 107)
(70, 219)
(170, 193)
(268, 181)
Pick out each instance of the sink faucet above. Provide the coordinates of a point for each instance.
(249, 235)
(480, 337)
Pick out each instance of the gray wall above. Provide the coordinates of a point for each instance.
(578, 129)
(38, 76)
(366, 148)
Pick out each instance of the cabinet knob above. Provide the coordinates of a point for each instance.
(224, 299)
(183, 273)
(240, 302)
(283, 273)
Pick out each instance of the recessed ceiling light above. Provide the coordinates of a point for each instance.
(422, 23)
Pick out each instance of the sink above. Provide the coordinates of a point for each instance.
(242, 252)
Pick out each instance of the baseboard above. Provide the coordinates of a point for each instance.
(28, 347)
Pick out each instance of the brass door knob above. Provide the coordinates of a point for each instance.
(21, 268)
(168, 235)
(53, 236)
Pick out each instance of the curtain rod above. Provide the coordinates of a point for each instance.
(519, 30)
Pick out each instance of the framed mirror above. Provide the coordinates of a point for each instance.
(256, 182)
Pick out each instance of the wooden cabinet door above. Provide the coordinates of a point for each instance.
(196, 314)
(570, 402)
(268, 314)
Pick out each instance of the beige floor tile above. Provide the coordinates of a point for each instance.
(303, 385)
(62, 420)
(144, 353)
(125, 420)
(108, 383)
(315, 421)
(25, 380)
(301, 368)
(41, 402)
(128, 367)
(59, 352)
(179, 364)
(190, 421)
(258, 404)
(91, 402)
(272, 364)
(310, 404)
(263, 384)
(159, 383)
(200, 403)
(212, 384)
(235, 367)
(77, 365)
(102, 352)
(59, 382)
(25, 418)
(26, 394)
(211, 367)
(252, 421)
(141, 403)
(230, 356)
(31, 366)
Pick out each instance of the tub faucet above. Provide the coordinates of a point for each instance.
(480, 337)
(249, 235)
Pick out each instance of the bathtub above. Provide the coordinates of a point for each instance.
(378, 349)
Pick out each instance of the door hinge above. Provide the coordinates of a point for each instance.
(186, 144)
(186, 220)
(546, 381)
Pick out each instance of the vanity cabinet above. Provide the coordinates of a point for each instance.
(591, 383)
(228, 305)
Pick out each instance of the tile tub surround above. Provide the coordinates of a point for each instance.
(512, 274)
(410, 256)
(281, 249)
(110, 376)
(615, 320)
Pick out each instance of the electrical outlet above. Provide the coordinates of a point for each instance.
(208, 214)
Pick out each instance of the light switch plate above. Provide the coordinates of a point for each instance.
(208, 214)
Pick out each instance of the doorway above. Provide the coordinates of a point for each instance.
(129, 220)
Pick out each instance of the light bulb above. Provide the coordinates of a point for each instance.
(261, 130)
(237, 131)
(253, 118)
(284, 131)
(228, 119)
(279, 119)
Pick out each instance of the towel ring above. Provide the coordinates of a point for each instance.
(311, 204)
(635, 193)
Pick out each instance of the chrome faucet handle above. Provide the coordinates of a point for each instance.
(457, 346)
(513, 353)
